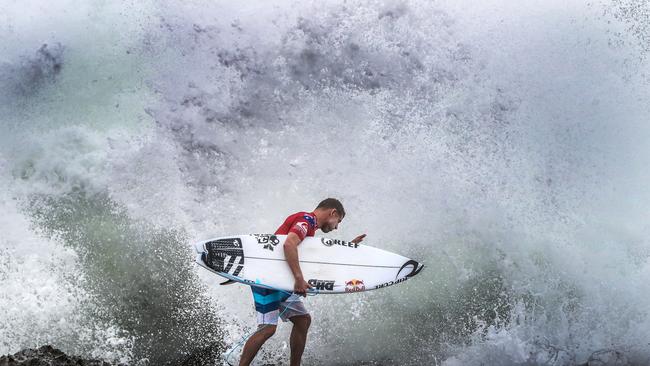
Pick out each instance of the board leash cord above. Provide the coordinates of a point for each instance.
(250, 334)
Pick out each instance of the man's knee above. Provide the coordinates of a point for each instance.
(266, 330)
(301, 321)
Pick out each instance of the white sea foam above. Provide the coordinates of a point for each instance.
(503, 146)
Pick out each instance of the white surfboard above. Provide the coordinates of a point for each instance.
(329, 265)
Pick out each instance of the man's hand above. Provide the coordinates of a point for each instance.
(358, 239)
(301, 286)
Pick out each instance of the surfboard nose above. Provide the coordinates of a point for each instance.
(409, 269)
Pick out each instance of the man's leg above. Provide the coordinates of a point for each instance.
(255, 342)
(267, 303)
(298, 337)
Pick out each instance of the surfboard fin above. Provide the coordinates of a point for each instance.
(229, 282)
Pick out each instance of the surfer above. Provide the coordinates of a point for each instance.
(271, 304)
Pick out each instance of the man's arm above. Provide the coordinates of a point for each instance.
(291, 255)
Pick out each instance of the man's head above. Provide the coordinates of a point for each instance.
(329, 213)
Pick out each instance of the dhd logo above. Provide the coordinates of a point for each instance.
(322, 284)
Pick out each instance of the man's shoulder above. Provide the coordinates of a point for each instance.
(303, 216)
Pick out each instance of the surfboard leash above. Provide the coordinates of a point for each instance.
(313, 292)
(250, 334)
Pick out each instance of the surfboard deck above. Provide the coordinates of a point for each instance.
(330, 266)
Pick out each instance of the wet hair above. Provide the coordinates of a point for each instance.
(332, 203)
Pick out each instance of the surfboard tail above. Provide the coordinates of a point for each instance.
(199, 247)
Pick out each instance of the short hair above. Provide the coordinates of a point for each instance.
(332, 203)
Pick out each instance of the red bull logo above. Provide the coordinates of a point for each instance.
(354, 286)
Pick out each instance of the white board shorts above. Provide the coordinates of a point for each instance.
(271, 305)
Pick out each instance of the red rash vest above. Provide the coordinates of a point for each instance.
(302, 224)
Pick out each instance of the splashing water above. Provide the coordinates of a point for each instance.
(502, 145)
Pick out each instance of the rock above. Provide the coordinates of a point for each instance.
(46, 356)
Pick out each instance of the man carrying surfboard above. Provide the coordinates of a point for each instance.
(271, 304)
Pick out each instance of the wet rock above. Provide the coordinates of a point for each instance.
(47, 356)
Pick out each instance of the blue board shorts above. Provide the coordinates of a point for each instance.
(271, 304)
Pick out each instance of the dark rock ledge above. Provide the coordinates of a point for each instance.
(46, 356)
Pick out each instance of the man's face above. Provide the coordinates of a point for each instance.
(332, 221)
